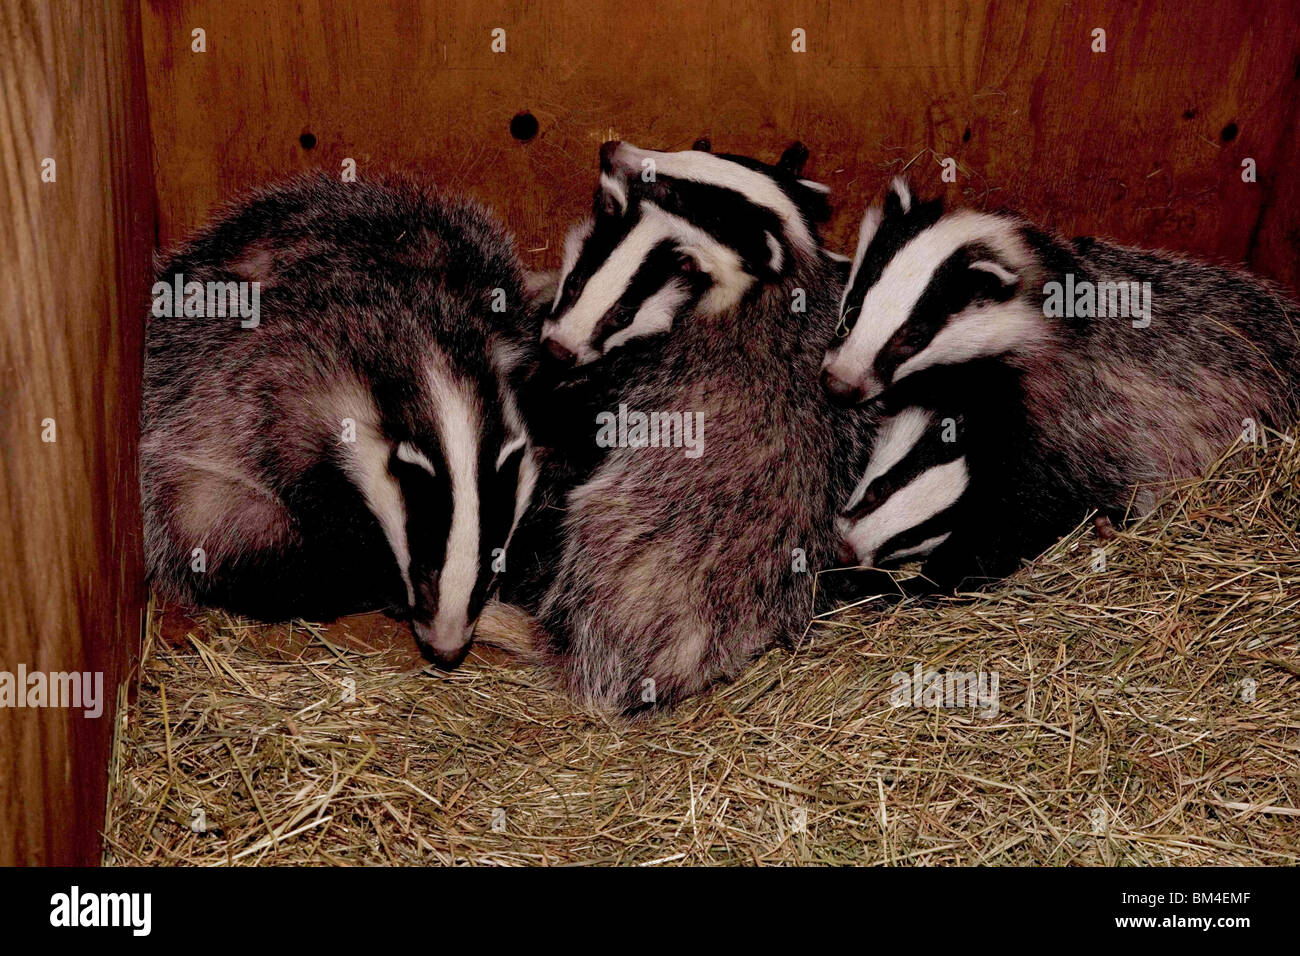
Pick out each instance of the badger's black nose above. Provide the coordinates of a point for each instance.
(560, 352)
(841, 391)
(445, 661)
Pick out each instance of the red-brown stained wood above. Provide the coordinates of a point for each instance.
(1129, 143)
(1143, 143)
(74, 285)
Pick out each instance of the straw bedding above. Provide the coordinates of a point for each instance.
(1147, 713)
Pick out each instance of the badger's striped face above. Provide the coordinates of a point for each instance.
(692, 240)
(925, 290)
(903, 507)
(460, 487)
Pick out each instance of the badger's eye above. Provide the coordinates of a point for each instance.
(848, 319)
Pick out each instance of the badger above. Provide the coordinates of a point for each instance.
(359, 445)
(677, 234)
(1074, 408)
(949, 482)
(672, 570)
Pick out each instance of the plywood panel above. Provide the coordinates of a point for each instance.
(73, 288)
(1143, 142)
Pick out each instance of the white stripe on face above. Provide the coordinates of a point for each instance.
(920, 550)
(459, 423)
(921, 499)
(655, 315)
(866, 232)
(573, 243)
(576, 328)
(888, 304)
(897, 436)
(365, 462)
(712, 170)
(980, 333)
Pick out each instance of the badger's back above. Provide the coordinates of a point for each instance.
(678, 570)
(1119, 406)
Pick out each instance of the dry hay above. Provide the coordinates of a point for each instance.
(1126, 732)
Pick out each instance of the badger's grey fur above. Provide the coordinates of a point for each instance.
(675, 571)
(360, 447)
(1100, 412)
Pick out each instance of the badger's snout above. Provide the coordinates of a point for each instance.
(560, 353)
(848, 556)
(842, 392)
(843, 386)
(444, 642)
(565, 348)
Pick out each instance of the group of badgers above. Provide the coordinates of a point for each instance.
(411, 423)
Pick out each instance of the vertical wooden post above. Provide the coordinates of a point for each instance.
(76, 234)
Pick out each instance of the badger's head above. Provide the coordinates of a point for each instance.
(673, 235)
(903, 505)
(464, 473)
(926, 289)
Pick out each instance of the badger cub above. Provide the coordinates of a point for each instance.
(1088, 375)
(355, 444)
(674, 570)
(947, 482)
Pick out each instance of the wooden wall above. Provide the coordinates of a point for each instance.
(1143, 142)
(74, 271)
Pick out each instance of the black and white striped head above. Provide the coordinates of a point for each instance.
(928, 289)
(904, 506)
(456, 479)
(677, 234)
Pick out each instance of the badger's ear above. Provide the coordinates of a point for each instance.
(898, 200)
(992, 280)
(611, 195)
(867, 229)
(702, 145)
(811, 196)
(793, 159)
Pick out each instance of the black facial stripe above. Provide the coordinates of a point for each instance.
(606, 234)
(929, 452)
(894, 232)
(725, 214)
(497, 491)
(942, 299)
(429, 503)
(942, 523)
(660, 266)
(953, 288)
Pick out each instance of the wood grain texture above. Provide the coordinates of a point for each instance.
(1142, 143)
(73, 285)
